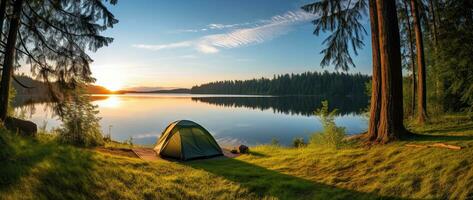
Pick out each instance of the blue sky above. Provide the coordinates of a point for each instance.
(183, 43)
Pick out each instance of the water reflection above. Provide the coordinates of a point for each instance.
(231, 119)
(293, 105)
(111, 101)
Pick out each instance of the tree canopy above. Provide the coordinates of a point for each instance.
(343, 20)
(53, 37)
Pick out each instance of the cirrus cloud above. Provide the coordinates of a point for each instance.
(263, 31)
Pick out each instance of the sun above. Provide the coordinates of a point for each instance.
(113, 80)
(113, 86)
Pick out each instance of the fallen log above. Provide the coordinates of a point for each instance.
(448, 146)
(417, 145)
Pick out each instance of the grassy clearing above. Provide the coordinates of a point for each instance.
(42, 168)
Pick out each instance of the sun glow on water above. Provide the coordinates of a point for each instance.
(111, 102)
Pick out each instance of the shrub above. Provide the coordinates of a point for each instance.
(275, 142)
(298, 142)
(332, 135)
(80, 124)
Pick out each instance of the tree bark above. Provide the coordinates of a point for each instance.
(391, 125)
(375, 81)
(9, 59)
(421, 87)
(412, 55)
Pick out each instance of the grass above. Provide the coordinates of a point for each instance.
(43, 169)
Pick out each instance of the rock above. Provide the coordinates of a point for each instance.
(234, 151)
(23, 127)
(243, 149)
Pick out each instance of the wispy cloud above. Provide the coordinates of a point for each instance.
(163, 46)
(216, 27)
(265, 30)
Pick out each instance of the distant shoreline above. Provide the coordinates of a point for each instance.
(175, 91)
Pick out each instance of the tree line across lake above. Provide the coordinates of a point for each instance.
(307, 83)
(294, 105)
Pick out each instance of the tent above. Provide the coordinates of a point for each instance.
(187, 140)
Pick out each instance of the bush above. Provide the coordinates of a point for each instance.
(275, 142)
(80, 124)
(332, 135)
(298, 142)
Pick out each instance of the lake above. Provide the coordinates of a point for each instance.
(231, 119)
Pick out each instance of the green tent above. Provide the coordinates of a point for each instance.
(187, 140)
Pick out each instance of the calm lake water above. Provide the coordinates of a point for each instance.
(231, 119)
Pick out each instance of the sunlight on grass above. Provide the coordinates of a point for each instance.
(43, 168)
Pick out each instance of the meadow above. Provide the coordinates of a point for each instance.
(42, 168)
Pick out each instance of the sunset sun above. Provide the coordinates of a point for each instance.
(113, 86)
(113, 80)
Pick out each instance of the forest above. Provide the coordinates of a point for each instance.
(430, 40)
(308, 83)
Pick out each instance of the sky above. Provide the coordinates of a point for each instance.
(184, 43)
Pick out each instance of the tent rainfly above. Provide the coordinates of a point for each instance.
(186, 140)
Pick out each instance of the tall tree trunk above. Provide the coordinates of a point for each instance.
(421, 87)
(375, 81)
(412, 55)
(9, 59)
(391, 125)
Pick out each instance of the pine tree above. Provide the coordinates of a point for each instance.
(453, 58)
(9, 58)
(342, 18)
(375, 106)
(52, 37)
(421, 72)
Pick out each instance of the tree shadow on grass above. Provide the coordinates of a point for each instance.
(450, 129)
(53, 171)
(257, 154)
(68, 175)
(20, 155)
(269, 183)
(438, 138)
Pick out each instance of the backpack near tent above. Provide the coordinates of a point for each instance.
(187, 140)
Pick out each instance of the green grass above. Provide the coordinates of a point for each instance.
(43, 169)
